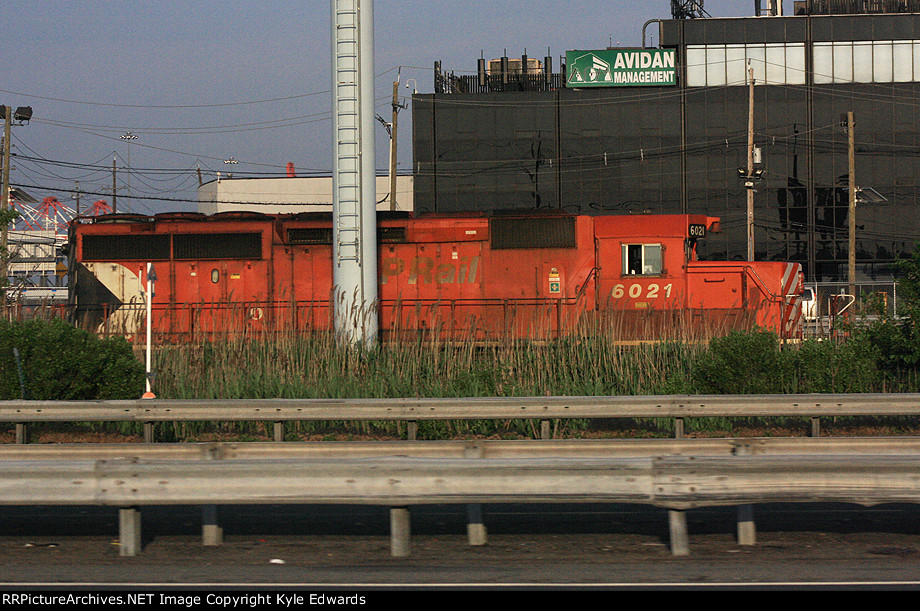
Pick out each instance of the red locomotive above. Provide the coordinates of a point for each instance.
(475, 276)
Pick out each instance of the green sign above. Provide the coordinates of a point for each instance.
(620, 68)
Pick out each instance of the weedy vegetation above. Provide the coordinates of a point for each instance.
(57, 361)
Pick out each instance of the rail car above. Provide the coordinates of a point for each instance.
(475, 276)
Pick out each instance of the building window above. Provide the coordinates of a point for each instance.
(641, 259)
(883, 61)
(773, 64)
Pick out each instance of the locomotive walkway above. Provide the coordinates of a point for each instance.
(677, 474)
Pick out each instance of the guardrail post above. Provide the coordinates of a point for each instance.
(279, 431)
(129, 531)
(211, 532)
(148, 432)
(747, 530)
(22, 433)
(815, 426)
(678, 428)
(544, 430)
(411, 430)
(680, 541)
(399, 532)
(475, 527)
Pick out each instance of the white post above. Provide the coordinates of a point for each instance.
(151, 278)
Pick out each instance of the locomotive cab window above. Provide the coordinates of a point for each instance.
(642, 259)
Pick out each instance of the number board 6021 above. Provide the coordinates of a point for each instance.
(636, 291)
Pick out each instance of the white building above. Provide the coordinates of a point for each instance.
(290, 195)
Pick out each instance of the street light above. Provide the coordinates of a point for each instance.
(128, 137)
(750, 176)
(230, 161)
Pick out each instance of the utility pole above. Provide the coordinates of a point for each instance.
(21, 114)
(750, 166)
(76, 196)
(753, 172)
(5, 204)
(396, 107)
(114, 188)
(851, 216)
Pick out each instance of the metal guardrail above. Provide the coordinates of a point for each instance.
(412, 410)
(673, 473)
(648, 406)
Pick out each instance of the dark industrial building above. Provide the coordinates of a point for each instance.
(521, 135)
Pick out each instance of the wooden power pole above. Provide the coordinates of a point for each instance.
(851, 216)
(750, 166)
(396, 107)
(114, 187)
(5, 204)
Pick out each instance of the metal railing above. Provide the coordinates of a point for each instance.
(673, 474)
(834, 304)
(498, 83)
(413, 410)
(676, 474)
(845, 7)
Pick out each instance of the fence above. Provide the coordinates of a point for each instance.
(834, 304)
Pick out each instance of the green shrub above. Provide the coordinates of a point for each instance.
(61, 362)
(829, 367)
(742, 362)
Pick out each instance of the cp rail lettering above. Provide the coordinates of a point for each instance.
(430, 271)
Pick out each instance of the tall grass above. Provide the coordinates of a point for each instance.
(592, 360)
(318, 365)
(599, 357)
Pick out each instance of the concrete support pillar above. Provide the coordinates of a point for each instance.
(680, 541)
(399, 532)
(211, 532)
(129, 531)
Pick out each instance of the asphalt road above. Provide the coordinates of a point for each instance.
(838, 546)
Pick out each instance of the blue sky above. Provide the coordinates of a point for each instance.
(199, 83)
